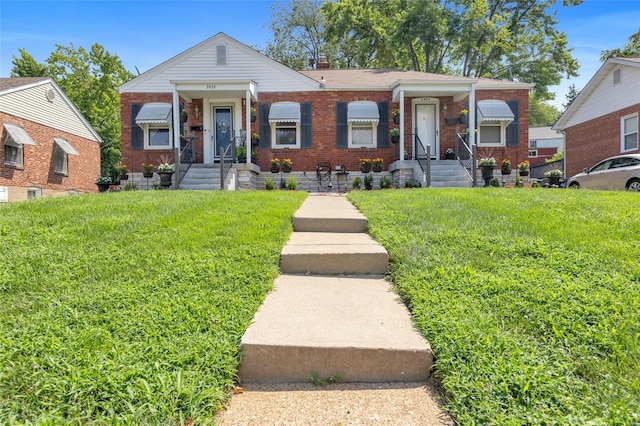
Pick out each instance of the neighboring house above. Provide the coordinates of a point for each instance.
(48, 147)
(324, 115)
(602, 121)
(544, 143)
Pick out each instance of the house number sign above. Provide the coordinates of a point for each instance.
(211, 86)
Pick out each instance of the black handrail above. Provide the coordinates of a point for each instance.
(186, 158)
(423, 157)
(464, 154)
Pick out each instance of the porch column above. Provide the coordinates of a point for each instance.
(175, 107)
(401, 154)
(247, 118)
(472, 116)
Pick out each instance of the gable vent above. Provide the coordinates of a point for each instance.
(221, 54)
(616, 76)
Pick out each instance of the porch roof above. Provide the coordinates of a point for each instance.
(211, 89)
(18, 134)
(494, 110)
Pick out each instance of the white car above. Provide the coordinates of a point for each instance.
(620, 172)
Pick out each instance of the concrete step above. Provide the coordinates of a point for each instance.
(355, 327)
(322, 213)
(333, 253)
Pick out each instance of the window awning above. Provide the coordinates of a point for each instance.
(494, 110)
(66, 146)
(363, 111)
(284, 111)
(18, 134)
(155, 113)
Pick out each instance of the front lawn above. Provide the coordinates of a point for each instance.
(128, 308)
(529, 298)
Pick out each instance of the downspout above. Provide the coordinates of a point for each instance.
(472, 116)
(247, 117)
(401, 151)
(175, 107)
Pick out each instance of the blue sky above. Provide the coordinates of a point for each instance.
(145, 33)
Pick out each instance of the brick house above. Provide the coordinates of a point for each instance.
(48, 147)
(602, 121)
(544, 143)
(334, 117)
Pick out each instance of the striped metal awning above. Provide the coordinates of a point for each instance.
(18, 134)
(284, 112)
(494, 110)
(66, 146)
(363, 111)
(155, 113)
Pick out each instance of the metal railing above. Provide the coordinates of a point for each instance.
(464, 154)
(227, 155)
(185, 159)
(423, 157)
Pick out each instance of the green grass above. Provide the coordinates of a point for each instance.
(529, 298)
(128, 308)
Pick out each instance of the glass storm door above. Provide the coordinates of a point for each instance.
(426, 127)
(223, 134)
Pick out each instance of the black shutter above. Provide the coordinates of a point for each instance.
(383, 125)
(512, 129)
(342, 127)
(264, 127)
(306, 137)
(137, 137)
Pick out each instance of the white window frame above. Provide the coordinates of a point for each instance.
(34, 192)
(503, 133)
(146, 130)
(57, 150)
(623, 135)
(373, 125)
(275, 125)
(533, 153)
(533, 144)
(8, 142)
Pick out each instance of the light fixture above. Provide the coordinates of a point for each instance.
(197, 110)
(444, 108)
(322, 82)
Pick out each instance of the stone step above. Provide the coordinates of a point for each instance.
(354, 327)
(333, 253)
(328, 214)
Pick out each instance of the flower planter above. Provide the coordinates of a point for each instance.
(449, 156)
(253, 118)
(524, 172)
(506, 171)
(365, 169)
(464, 119)
(554, 180)
(275, 168)
(487, 174)
(124, 177)
(452, 120)
(147, 174)
(255, 141)
(165, 179)
(103, 187)
(396, 119)
(286, 169)
(377, 168)
(395, 139)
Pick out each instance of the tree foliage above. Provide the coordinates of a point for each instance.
(90, 79)
(501, 39)
(542, 114)
(570, 96)
(630, 50)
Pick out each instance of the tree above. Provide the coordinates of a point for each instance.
(541, 113)
(517, 40)
(570, 96)
(630, 50)
(90, 80)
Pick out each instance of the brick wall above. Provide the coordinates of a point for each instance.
(594, 140)
(37, 169)
(324, 128)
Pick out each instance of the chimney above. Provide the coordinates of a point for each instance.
(323, 64)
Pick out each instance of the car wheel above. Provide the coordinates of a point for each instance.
(574, 185)
(633, 185)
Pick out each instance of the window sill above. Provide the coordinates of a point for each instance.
(58, 173)
(167, 147)
(14, 166)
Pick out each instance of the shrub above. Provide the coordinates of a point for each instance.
(368, 182)
(292, 183)
(269, 184)
(357, 182)
(385, 182)
(495, 182)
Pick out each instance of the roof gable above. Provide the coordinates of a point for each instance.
(199, 64)
(41, 100)
(601, 96)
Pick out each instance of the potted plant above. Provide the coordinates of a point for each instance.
(184, 116)
(396, 116)
(523, 168)
(487, 164)
(365, 165)
(377, 164)
(286, 165)
(449, 154)
(253, 114)
(103, 182)
(505, 167)
(122, 171)
(395, 135)
(165, 171)
(464, 117)
(255, 138)
(241, 154)
(554, 176)
(275, 165)
(147, 170)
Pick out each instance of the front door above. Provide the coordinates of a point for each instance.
(223, 130)
(426, 128)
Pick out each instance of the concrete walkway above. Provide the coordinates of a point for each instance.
(332, 314)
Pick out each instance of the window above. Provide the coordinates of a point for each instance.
(14, 139)
(34, 192)
(61, 151)
(533, 154)
(284, 118)
(617, 76)
(155, 119)
(533, 144)
(157, 136)
(629, 133)
(363, 118)
(491, 134)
